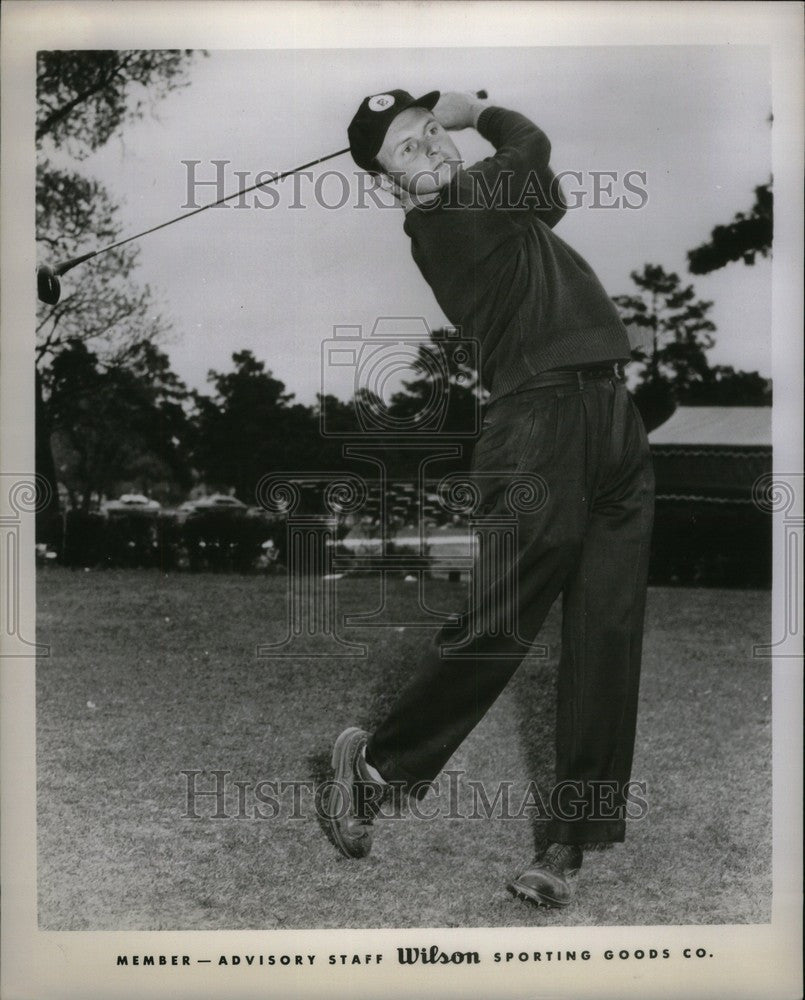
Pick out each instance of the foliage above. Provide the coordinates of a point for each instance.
(447, 392)
(747, 236)
(679, 335)
(724, 386)
(675, 369)
(677, 323)
(103, 307)
(84, 96)
(444, 370)
(119, 425)
(249, 428)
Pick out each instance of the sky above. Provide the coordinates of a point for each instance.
(278, 280)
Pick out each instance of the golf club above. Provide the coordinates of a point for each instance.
(47, 278)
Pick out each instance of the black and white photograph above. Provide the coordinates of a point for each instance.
(402, 499)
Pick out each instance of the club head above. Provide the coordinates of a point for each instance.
(48, 285)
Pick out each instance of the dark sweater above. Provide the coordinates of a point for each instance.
(501, 274)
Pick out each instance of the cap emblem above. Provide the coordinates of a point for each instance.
(380, 102)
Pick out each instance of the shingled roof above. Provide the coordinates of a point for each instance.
(725, 426)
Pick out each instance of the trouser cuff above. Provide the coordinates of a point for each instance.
(587, 832)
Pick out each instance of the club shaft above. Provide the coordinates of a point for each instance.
(69, 264)
(75, 261)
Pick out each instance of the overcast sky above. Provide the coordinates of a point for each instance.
(277, 281)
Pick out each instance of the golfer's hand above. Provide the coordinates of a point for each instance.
(456, 110)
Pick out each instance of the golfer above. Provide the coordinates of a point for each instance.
(552, 356)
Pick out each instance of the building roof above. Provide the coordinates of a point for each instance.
(727, 426)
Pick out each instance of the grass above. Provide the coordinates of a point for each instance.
(151, 675)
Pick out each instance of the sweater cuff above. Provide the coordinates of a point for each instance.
(483, 118)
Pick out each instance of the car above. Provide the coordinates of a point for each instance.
(219, 501)
(131, 502)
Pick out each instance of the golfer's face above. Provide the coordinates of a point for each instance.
(418, 152)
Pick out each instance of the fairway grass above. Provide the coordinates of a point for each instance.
(150, 676)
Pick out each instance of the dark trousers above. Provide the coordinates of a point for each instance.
(583, 444)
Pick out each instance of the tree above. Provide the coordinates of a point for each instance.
(747, 236)
(742, 239)
(249, 428)
(724, 386)
(164, 421)
(117, 426)
(336, 418)
(104, 307)
(84, 98)
(679, 335)
(445, 397)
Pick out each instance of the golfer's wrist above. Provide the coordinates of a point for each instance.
(472, 113)
(456, 110)
(477, 108)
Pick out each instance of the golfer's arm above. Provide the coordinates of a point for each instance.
(519, 143)
(523, 151)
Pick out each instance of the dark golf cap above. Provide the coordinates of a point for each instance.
(368, 128)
